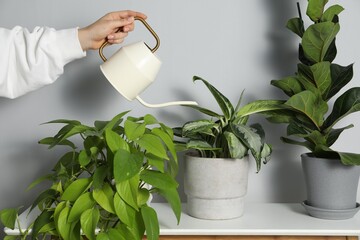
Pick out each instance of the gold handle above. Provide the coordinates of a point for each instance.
(150, 30)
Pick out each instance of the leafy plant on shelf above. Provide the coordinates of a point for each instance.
(225, 135)
(103, 189)
(311, 90)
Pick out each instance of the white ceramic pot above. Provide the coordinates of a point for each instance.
(215, 187)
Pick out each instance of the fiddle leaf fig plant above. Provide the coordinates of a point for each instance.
(226, 134)
(103, 188)
(309, 111)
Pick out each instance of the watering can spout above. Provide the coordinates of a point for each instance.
(165, 104)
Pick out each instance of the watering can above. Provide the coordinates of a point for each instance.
(133, 68)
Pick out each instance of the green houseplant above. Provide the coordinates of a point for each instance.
(222, 143)
(308, 114)
(102, 189)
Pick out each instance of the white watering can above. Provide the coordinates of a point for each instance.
(133, 68)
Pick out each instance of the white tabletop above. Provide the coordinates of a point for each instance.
(258, 219)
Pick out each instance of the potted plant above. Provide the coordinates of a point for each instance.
(216, 173)
(331, 176)
(101, 190)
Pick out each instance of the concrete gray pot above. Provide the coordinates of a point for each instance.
(215, 187)
(331, 187)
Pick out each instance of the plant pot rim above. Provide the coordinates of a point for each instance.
(312, 155)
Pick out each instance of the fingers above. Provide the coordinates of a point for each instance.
(117, 37)
(126, 14)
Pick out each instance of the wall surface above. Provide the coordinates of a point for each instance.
(234, 44)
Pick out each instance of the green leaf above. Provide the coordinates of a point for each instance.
(289, 85)
(51, 141)
(49, 228)
(318, 140)
(67, 164)
(172, 197)
(124, 211)
(349, 158)
(102, 236)
(125, 232)
(317, 39)
(334, 134)
(115, 141)
(57, 212)
(151, 223)
(42, 220)
(306, 144)
(280, 116)
(83, 203)
(64, 227)
(200, 145)
(223, 102)
(266, 153)
(99, 176)
(296, 128)
(64, 121)
(251, 139)
(315, 9)
(346, 104)
(167, 139)
(104, 197)
(340, 76)
(116, 234)
(128, 191)
(150, 119)
(116, 120)
(331, 12)
(311, 105)
(138, 227)
(202, 126)
(89, 220)
(8, 217)
(152, 144)
(236, 148)
(306, 78)
(46, 195)
(10, 237)
(331, 52)
(155, 161)
(158, 179)
(126, 165)
(322, 77)
(204, 111)
(134, 130)
(75, 189)
(38, 181)
(71, 132)
(84, 159)
(260, 106)
(143, 196)
(296, 25)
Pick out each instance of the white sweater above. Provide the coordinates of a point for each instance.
(30, 60)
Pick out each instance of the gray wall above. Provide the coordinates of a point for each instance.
(235, 44)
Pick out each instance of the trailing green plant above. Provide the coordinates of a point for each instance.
(103, 188)
(224, 135)
(317, 81)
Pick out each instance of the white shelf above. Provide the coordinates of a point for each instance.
(258, 219)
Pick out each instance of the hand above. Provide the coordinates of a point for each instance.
(113, 27)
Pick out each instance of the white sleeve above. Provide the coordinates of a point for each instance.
(30, 60)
